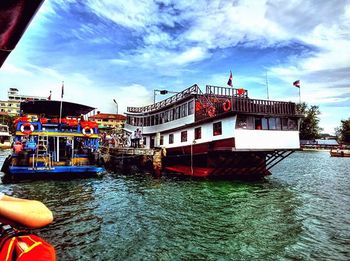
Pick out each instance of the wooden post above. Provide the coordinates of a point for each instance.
(157, 162)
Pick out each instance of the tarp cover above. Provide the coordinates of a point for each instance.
(52, 108)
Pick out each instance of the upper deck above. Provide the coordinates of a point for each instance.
(215, 102)
(55, 118)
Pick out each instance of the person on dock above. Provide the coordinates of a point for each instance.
(138, 137)
(133, 139)
(29, 213)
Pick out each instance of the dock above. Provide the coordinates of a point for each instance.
(124, 158)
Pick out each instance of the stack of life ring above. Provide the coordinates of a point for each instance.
(211, 111)
(226, 105)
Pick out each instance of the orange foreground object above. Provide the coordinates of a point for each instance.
(26, 247)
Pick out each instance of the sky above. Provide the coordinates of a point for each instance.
(124, 50)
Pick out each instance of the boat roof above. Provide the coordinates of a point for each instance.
(52, 108)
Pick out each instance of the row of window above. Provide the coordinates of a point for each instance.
(264, 123)
(9, 105)
(217, 130)
(23, 98)
(257, 123)
(172, 114)
(9, 110)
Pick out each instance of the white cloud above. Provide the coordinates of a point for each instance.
(131, 14)
(191, 55)
(167, 37)
(11, 69)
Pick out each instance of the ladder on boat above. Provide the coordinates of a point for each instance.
(42, 153)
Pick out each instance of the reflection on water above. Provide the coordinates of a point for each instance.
(300, 212)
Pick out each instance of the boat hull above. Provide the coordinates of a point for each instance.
(17, 173)
(340, 153)
(220, 160)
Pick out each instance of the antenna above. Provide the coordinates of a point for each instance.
(267, 87)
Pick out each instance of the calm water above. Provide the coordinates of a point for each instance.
(301, 212)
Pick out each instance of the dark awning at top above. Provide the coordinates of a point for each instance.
(52, 108)
(15, 16)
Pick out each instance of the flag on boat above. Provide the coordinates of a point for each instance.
(229, 83)
(62, 90)
(49, 98)
(297, 83)
(240, 91)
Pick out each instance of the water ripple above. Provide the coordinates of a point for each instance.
(301, 212)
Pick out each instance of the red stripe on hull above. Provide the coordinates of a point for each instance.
(187, 170)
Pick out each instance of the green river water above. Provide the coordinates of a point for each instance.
(301, 212)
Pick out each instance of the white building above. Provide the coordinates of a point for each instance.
(12, 105)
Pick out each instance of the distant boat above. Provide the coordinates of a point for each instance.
(340, 152)
(5, 137)
(52, 139)
(219, 133)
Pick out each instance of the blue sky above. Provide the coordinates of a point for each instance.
(123, 50)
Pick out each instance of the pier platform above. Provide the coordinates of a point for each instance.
(124, 158)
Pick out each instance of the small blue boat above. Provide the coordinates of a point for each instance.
(53, 140)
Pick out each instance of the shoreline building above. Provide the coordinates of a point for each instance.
(109, 121)
(12, 105)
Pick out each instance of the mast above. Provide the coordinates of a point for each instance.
(267, 86)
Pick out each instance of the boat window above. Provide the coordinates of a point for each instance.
(161, 118)
(292, 124)
(183, 136)
(161, 142)
(241, 122)
(171, 138)
(184, 110)
(265, 125)
(190, 107)
(177, 112)
(284, 124)
(278, 124)
(166, 116)
(171, 114)
(197, 133)
(258, 124)
(272, 124)
(217, 130)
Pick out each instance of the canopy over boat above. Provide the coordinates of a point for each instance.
(52, 108)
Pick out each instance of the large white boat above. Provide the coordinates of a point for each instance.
(219, 133)
(5, 137)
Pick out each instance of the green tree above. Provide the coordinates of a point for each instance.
(309, 128)
(343, 132)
